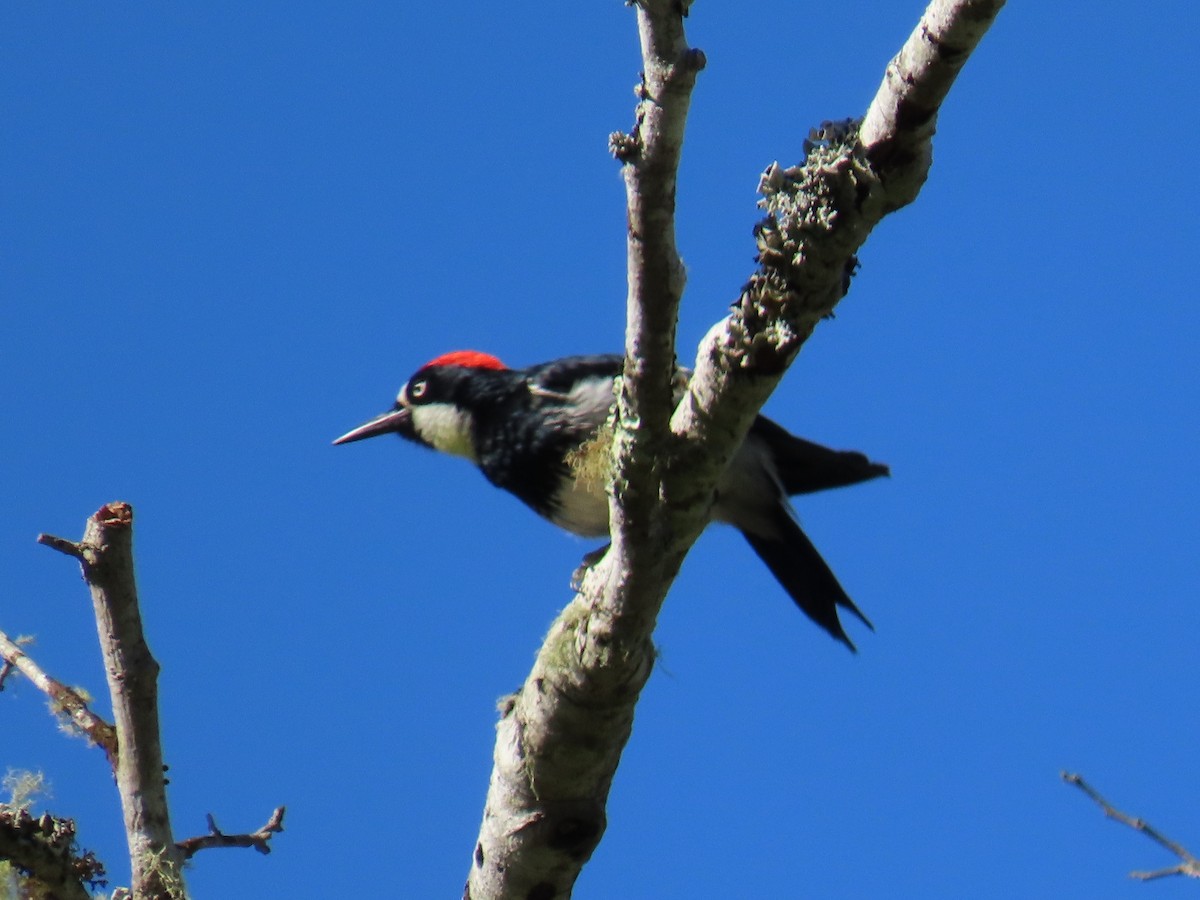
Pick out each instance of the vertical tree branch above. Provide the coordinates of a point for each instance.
(106, 554)
(560, 737)
(650, 158)
(133, 743)
(656, 279)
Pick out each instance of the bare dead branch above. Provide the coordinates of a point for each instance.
(1190, 865)
(656, 275)
(7, 669)
(62, 545)
(106, 555)
(43, 849)
(259, 840)
(545, 810)
(898, 128)
(656, 279)
(819, 215)
(560, 737)
(64, 700)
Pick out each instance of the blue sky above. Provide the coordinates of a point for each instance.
(229, 232)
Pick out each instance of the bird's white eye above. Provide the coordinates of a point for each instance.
(417, 389)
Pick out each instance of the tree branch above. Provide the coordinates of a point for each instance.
(560, 737)
(64, 700)
(1190, 865)
(656, 275)
(899, 126)
(44, 850)
(656, 279)
(106, 555)
(259, 840)
(62, 545)
(819, 214)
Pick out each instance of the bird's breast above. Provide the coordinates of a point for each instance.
(581, 508)
(581, 501)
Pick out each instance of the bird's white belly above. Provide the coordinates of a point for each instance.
(581, 507)
(581, 504)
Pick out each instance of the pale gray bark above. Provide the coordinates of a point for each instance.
(106, 556)
(132, 743)
(64, 701)
(560, 737)
(1188, 865)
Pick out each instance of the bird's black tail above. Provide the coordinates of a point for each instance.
(805, 467)
(797, 565)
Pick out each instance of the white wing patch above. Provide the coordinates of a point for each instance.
(593, 396)
(585, 406)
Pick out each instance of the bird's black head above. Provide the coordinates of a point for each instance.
(433, 408)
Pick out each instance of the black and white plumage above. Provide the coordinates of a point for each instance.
(526, 428)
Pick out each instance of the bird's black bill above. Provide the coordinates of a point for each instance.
(394, 421)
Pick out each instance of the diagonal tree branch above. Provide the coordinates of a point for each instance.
(1189, 865)
(64, 700)
(818, 217)
(899, 125)
(560, 737)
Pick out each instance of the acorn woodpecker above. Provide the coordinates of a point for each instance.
(534, 431)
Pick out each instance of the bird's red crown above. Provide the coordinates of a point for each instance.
(468, 359)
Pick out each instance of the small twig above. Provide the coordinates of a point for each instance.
(1190, 866)
(62, 545)
(217, 838)
(64, 699)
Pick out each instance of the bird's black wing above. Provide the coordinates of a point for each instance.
(804, 467)
(560, 375)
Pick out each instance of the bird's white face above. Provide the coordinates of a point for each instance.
(443, 426)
